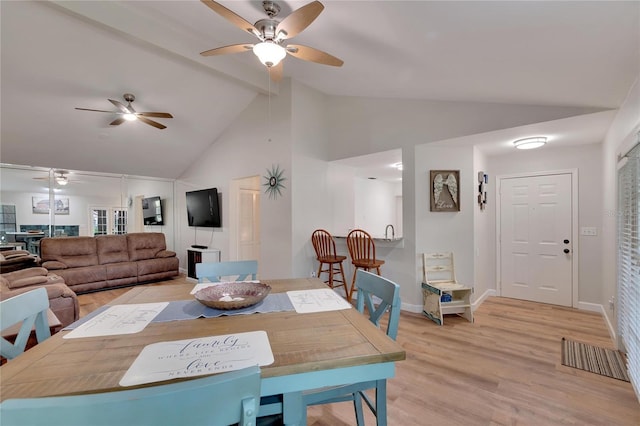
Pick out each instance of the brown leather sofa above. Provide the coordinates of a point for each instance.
(62, 301)
(108, 261)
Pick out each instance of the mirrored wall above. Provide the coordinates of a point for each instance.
(41, 202)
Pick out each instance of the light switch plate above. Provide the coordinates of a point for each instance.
(589, 231)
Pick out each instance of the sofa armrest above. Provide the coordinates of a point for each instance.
(27, 282)
(53, 291)
(25, 273)
(166, 253)
(12, 254)
(53, 265)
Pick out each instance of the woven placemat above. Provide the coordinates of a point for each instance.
(603, 361)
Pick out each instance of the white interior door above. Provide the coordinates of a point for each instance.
(535, 238)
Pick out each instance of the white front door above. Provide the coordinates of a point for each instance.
(107, 220)
(535, 238)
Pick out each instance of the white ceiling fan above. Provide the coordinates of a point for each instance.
(60, 177)
(272, 33)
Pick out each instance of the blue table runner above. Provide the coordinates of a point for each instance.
(192, 309)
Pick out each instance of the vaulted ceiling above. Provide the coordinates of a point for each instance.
(65, 54)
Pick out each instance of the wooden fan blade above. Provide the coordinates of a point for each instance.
(298, 20)
(97, 110)
(152, 123)
(275, 72)
(120, 106)
(232, 17)
(154, 114)
(314, 55)
(234, 48)
(117, 121)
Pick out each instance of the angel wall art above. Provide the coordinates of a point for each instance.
(445, 190)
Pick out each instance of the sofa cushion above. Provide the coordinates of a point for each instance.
(112, 249)
(53, 264)
(145, 245)
(76, 278)
(75, 252)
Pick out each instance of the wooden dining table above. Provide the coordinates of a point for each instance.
(310, 350)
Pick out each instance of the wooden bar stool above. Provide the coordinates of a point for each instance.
(362, 250)
(325, 249)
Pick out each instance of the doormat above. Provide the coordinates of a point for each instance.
(603, 361)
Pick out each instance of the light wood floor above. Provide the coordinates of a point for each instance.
(504, 369)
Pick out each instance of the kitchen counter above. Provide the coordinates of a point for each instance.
(397, 242)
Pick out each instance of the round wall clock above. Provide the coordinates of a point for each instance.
(273, 182)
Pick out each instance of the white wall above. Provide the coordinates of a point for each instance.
(374, 205)
(254, 142)
(585, 158)
(620, 137)
(484, 224)
(307, 130)
(310, 200)
(360, 126)
(445, 231)
(341, 180)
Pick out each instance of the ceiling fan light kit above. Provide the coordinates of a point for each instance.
(530, 143)
(272, 33)
(269, 53)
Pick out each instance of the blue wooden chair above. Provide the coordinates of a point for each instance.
(29, 308)
(243, 270)
(218, 400)
(379, 296)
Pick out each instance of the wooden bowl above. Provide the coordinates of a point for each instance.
(233, 295)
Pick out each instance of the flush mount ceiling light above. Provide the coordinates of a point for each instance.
(530, 143)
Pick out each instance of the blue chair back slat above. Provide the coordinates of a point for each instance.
(29, 308)
(218, 400)
(372, 289)
(243, 270)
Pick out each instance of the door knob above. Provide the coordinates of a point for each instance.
(566, 250)
(566, 241)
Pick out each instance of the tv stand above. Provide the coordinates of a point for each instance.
(198, 255)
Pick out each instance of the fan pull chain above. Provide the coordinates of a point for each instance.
(269, 103)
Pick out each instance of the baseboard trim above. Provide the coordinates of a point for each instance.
(478, 301)
(597, 307)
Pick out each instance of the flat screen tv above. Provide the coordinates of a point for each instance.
(152, 211)
(203, 208)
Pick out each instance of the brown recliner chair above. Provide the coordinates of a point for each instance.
(13, 260)
(62, 300)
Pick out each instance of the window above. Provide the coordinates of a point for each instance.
(629, 261)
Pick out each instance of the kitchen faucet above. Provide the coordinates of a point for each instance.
(393, 232)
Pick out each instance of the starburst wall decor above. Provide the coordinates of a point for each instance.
(273, 182)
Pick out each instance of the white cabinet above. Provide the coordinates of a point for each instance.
(195, 255)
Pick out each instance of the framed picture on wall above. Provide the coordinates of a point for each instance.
(40, 205)
(445, 190)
